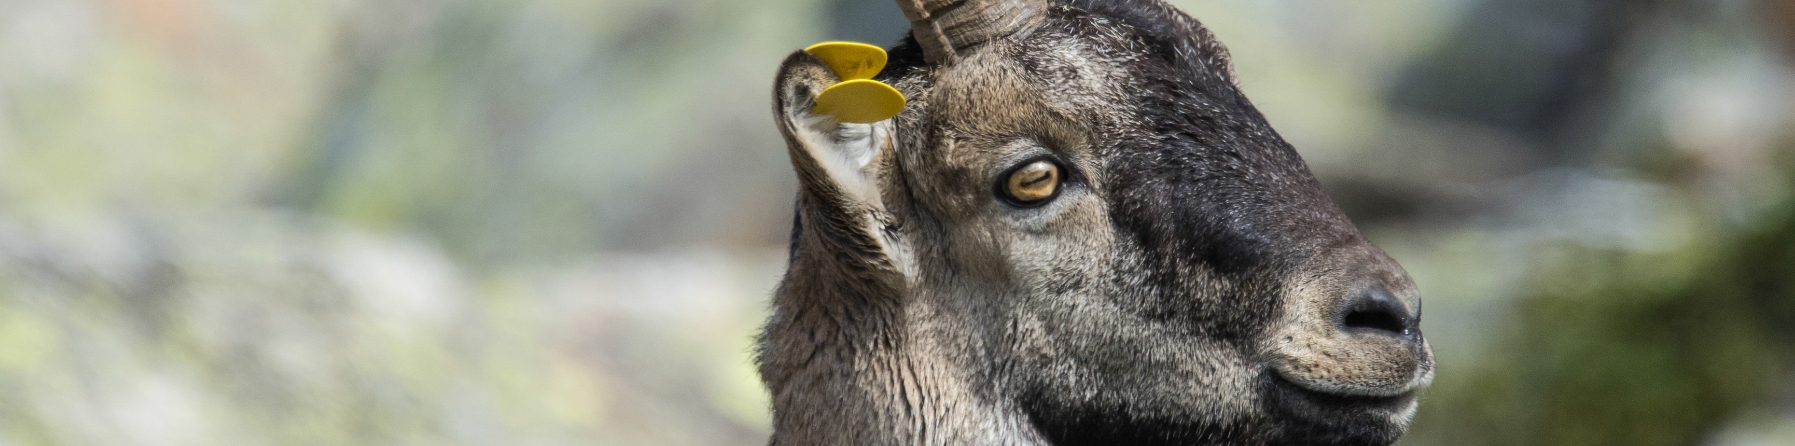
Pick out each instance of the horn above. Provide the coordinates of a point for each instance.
(946, 27)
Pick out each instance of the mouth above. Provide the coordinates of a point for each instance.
(1331, 418)
(1334, 402)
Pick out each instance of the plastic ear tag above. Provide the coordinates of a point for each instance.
(860, 101)
(850, 60)
(858, 98)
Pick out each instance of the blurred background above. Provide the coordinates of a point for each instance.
(539, 222)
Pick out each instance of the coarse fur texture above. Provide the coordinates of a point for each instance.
(1189, 284)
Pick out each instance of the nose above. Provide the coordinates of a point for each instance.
(1355, 331)
(1377, 311)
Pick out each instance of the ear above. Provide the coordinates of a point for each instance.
(841, 167)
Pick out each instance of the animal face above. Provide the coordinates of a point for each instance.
(1086, 224)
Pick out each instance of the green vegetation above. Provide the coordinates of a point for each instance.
(1636, 349)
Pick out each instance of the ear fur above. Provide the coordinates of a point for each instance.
(840, 168)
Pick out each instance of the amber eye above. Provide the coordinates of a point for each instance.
(1033, 183)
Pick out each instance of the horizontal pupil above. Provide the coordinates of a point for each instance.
(1034, 182)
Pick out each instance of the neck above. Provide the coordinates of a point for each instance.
(846, 364)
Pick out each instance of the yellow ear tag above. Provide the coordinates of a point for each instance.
(850, 60)
(858, 98)
(860, 101)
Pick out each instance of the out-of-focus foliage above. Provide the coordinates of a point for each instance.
(387, 222)
(1621, 348)
(1656, 300)
(557, 221)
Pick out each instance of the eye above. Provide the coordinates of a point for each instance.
(1032, 183)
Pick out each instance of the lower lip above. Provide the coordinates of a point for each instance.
(1350, 403)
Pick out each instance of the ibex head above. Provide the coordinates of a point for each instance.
(1077, 232)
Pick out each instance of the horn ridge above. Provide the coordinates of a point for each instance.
(945, 27)
(936, 47)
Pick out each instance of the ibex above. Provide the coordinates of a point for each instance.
(1078, 231)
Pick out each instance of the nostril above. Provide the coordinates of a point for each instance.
(1377, 310)
(1376, 320)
